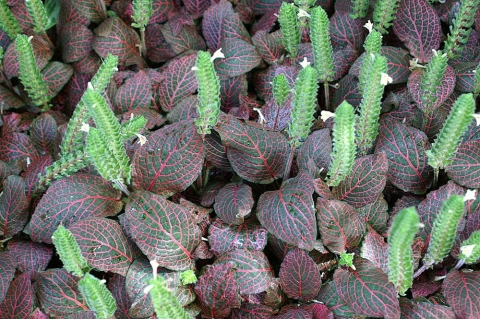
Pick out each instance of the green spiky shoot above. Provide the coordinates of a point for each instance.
(281, 89)
(462, 27)
(30, 75)
(372, 44)
(38, 14)
(188, 277)
(450, 136)
(8, 22)
(164, 301)
(98, 298)
(322, 49)
(476, 82)
(289, 27)
(400, 255)
(384, 13)
(344, 149)
(142, 12)
(69, 252)
(359, 9)
(346, 259)
(470, 249)
(208, 107)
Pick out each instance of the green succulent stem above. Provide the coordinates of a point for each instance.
(69, 252)
(344, 149)
(470, 249)
(449, 138)
(30, 75)
(359, 9)
(462, 26)
(372, 45)
(281, 89)
(38, 15)
(8, 22)
(400, 254)
(98, 297)
(476, 82)
(142, 12)
(289, 27)
(384, 13)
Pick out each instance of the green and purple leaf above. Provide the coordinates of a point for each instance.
(116, 285)
(56, 75)
(164, 231)
(43, 132)
(461, 289)
(212, 23)
(30, 256)
(8, 265)
(346, 31)
(13, 206)
(18, 302)
(376, 214)
(465, 166)
(240, 57)
(187, 39)
(75, 41)
(93, 10)
(424, 310)
(135, 92)
(314, 154)
(170, 160)
(233, 203)
(288, 213)
(72, 199)
(10, 99)
(375, 249)
(269, 46)
(17, 148)
(136, 280)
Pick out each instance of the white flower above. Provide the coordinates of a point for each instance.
(302, 13)
(85, 127)
(305, 63)
(141, 139)
(471, 194)
(477, 118)
(369, 26)
(194, 68)
(385, 79)
(260, 116)
(325, 115)
(217, 54)
(467, 250)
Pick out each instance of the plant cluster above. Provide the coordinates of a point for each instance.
(216, 159)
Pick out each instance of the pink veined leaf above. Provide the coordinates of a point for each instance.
(329, 296)
(339, 225)
(252, 311)
(240, 57)
(187, 39)
(18, 302)
(255, 154)
(223, 237)
(139, 304)
(56, 75)
(231, 90)
(103, 244)
(217, 290)
(375, 249)
(265, 23)
(72, 199)
(58, 293)
(10, 100)
(68, 13)
(116, 285)
(13, 206)
(170, 161)
(233, 28)
(405, 149)
(424, 310)
(30, 256)
(289, 214)
(20, 12)
(464, 76)
(424, 289)
(196, 7)
(185, 109)
(36, 168)
(43, 132)
(299, 276)
(164, 231)
(348, 91)
(319, 311)
(8, 265)
(212, 23)
(113, 36)
(135, 92)
(76, 42)
(347, 31)
(38, 314)
(295, 313)
(344, 57)
(17, 148)
(418, 27)
(180, 82)
(158, 50)
(269, 45)
(276, 117)
(462, 293)
(216, 152)
(161, 10)
(367, 290)
(366, 181)
(93, 10)
(376, 214)
(233, 203)
(252, 268)
(466, 164)
(443, 92)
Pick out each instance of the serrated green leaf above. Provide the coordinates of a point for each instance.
(97, 296)
(69, 252)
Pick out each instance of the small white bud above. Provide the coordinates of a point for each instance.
(260, 115)
(217, 54)
(325, 115)
(471, 194)
(305, 63)
(141, 139)
(302, 13)
(477, 118)
(385, 79)
(85, 127)
(369, 26)
(194, 68)
(467, 250)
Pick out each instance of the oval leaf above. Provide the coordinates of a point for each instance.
(233, 203)
(19, 300)
(424, 310)
(7, 272)
(135, 92)
(462, 293)
(464, 169)
(30, 256)
(240, 57)
(13, 206)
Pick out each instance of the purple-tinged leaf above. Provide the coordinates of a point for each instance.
(18, 302)
(103, 244)
(187, 39)
(83, 315)
(56, 75)
(116, 285)
(43, 132)
(294, 313)
(344, 57)
(256, 155)
(38, 314)
(140, 303)
(231, 90)
(418, 27)
(135, 92)
(264, 6)
(233, 28)
(299, 276)
(240, 57)
(375, 249)
(266, 22)
(329, 296)
(318, 311)
(170, 160)
(8, 264)
(465, 166)
(443, 91)
(424, 289)
(348, 91)
(42, 51)
(252, 311)
(276, 117)
(212, 23)
(216, 152)
(366, 181)
(233, 203)
(75, 41)
(68, 13)
(113, 36)
(288, 213)
(93, 10)
(424, 310)
(314, 154)
(36, 168)
(9, 99)
(465, 76)
(217, 290)
(72, 199)
(223, 237)
(322, 189)
(13, 206)
(30, 256)
(196, 7)
(17, 148)
(346, 31)
(58, 294)
(185, 109)
(161, 10)
(367, 290)
(164, 231)
(253, 271)
(158, 50)
(339, 225)
(269, 45)
(376, 214)
(262, 79)
(405, 148)
(461, 289)
(180, 82)
(5, 171)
